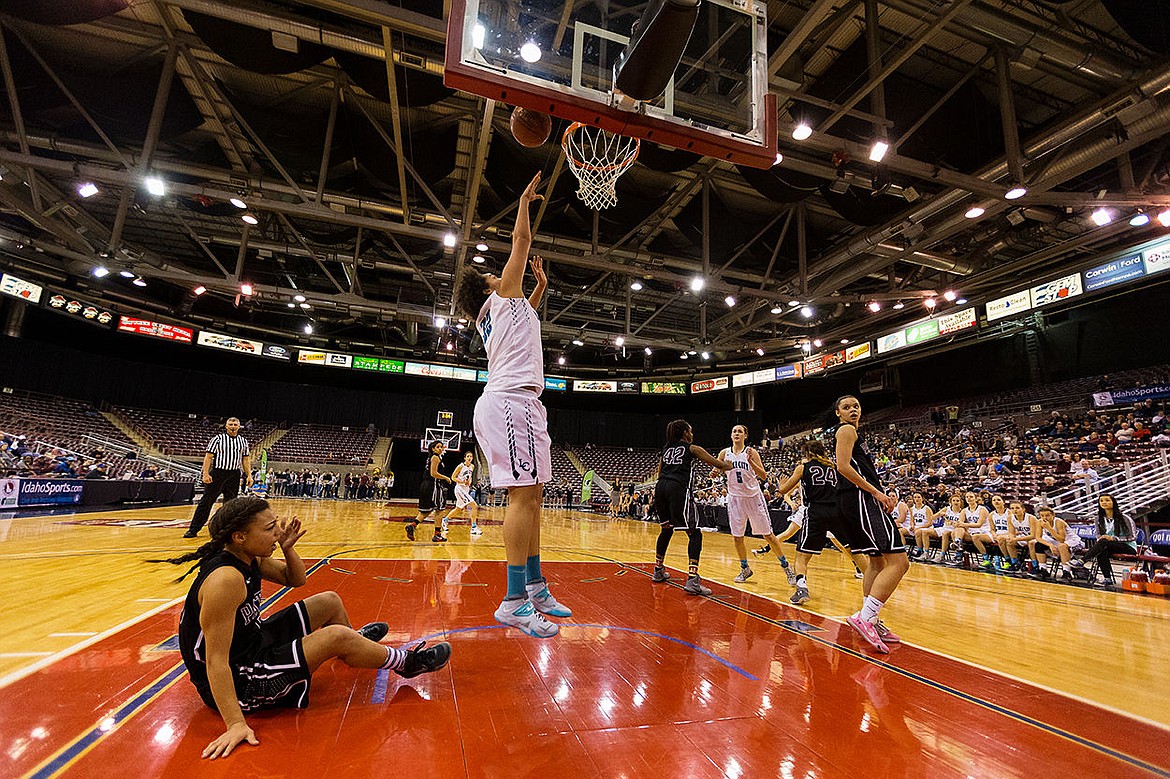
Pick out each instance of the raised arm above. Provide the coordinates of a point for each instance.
(289, 572)
(790, 483)
(541, 281)
(512, 279)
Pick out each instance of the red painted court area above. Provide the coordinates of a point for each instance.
(643, 681)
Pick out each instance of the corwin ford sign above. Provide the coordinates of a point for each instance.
(1115, 272)
(46, 492)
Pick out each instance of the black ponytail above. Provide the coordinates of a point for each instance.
(234, 515)
(676, 430)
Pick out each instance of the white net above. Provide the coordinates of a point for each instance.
(597, 158)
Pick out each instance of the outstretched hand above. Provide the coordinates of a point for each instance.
(537, 265)
(235, 735)
(288, 532)
(530, 193)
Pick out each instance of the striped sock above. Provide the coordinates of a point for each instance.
(533, 568)
(395, 659)
(517, 577)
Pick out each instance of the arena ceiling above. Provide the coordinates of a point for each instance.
(286, 105)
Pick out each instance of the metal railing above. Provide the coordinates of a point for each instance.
(1136, 486)
(136, 453)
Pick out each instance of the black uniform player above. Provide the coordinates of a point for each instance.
(865, 510)
(674, 504)
(431, 495)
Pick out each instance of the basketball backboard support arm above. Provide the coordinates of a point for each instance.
(722, 110)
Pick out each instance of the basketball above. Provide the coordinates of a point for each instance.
(530, 128)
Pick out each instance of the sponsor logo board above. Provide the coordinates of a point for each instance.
(157, 329)
(555, 383)
(1157, 258)
(892, 341)
(664, 388)
(833, 359)
(311, 357)
(743, 379)
(365, 363)
(276, 352)
(791, 371)
(709, 385)
(46, 492)
(19, 288)
(1056, 290)
(391, 366)
(960, 320)
(335, 360)
(764, 376)
(814, 365)
(229, 342)
(463, 374)
(858, 352)
(627, 386)
(923, 331)
(481, 376)
(1115, 272)
(9, 492)
(589, 385)
(1009, 305)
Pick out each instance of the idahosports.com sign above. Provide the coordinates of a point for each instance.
(44, 492)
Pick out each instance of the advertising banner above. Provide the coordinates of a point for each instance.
(67, 304)
(764, 376)
(311, 357)
(923, 331)
(481, 376)
(1123, 397)
(1114, 272)
(463, 374)
(49, 492)
(743, 379)
(18, 288)
(888, 343)
(1009, 305)
(1157, 258)
(426, 369)
(960, 320)
(833, 359)
(229, 342)
(157, 329)
(587, 485)
(365, 363)
(589, 385)
(335, 360)
(627, 387)
(664, 388)
(276, 352)
(9, 492)
(1056, 290)
(814, 365)
(391, 366)
(709, 385)
(791, 371)
(858, 352)
(555, 383)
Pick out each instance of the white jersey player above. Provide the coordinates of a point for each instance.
(463, 495)
(745, 499)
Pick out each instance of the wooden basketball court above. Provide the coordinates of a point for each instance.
(996, 677)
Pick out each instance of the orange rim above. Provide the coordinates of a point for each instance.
(592, 166)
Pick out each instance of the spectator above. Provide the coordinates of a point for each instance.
(1115, 535)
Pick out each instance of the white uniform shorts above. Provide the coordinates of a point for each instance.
(512, 430)
(462, 496)
(745, 509)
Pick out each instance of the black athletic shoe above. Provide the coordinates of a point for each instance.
(762, 550)
(421, 661)
(375, 631)
(190, 534)
(409, 531)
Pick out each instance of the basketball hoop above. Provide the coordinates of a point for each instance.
(597, 158)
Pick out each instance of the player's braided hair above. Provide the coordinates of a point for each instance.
(234, 515)
(469, 291)
(676, 430)
(815, 450)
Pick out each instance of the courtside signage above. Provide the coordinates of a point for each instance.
(1056, 290)
(1157, 258)
(664, 388)
(1115, 272)
(1009, 305)
(19, 288)
(589, 385)
(858, 352)
(709, 385)
(157, 329)
(229, 342)
(960, 320)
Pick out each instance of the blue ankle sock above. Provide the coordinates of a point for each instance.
(783, 561)
(533, 568)
(516, 579)
(743, 564)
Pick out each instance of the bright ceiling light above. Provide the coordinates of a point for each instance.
(156, 186)
(1139, 219)
(807, 312)
(1164, 218)
(292, 305)
(806, 347)
(779, 158)
(250, 219)
(950, 296)
(706, 355)
(793, 303)
(450, 346)
(578, 342)
(299, 298)
(199, 290)
(776, 309)
(440, 321)
(697, 283)
(530, 52)
(930, 303)
(478, 33)
(460, 326)
(101, 271)
(648, 351)
(636, 285)
(691, 352)
(899, 306)
(481, 247)
(817, 342)
(683, 356)
(246, 289)
(974, 212)
(1101, 217)
(478, 259)
(1015, 193)
(449, 240)
(139, 282)
(878, 151)
(87, 189)
(802, 132)
(730, 301)
(875, 306)
(238, 203)
(619, 341)
(305, 306)
(844, 340)
(961, 301)
(126, 274)
(561, 360)
(309, 328)
(760, 351)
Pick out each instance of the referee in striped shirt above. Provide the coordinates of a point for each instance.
(227, 456)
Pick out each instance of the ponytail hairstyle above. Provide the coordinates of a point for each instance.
(815, 450)
(676, 430)
(431, 446)
(233, 516)
(471, 290)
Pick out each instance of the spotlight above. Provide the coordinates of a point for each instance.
(481, 247)
(760, 351)
(730, 301)
(450, 346)
(478, 259)
(817, 342)
(440, 321)
(878, 151)
(807, 312)
(930, 303)
(1164, 218)
(619, 341)
(691, 352)
(899, 306)
(793, 303)
(87, 189)
(139, 282)
(126, 274)
(578, 342)
(950, 296)
(199, 290)
(478, 33)
(250, 219)
(1140, 219)
(460, 326)
(238, 203)
(806, 347)
(844, 340)
(1015, 193)
(1101, 217)
(648, 351)
(706, 355)
(779, 158)
(299, 298)
(305, 306)
(449, 240)
(530, 52)
(683, 356)
(309, 328)
(292, 305)
(697, 283)
(875, 306)
(776, 309)
(246, 289)
(636, 285)
(156, 186)
(101, 271)
(561, 360)
(802, 132)
(961, 301)
(974, 212)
